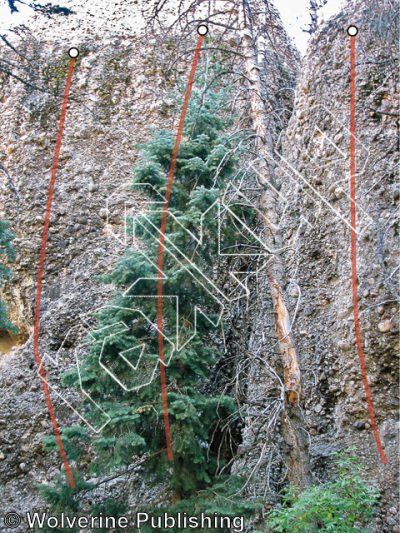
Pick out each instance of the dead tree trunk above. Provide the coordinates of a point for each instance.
(296, 439)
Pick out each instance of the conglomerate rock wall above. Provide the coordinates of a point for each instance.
(315, 176)
(119, 95)
(117, 98)
(312, 158)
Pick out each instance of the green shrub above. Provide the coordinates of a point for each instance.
(333, 506)
(9, 252)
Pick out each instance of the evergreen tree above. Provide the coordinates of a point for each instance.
(47, 9)
(202, 421)
(9, 253)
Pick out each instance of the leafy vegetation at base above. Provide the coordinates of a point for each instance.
(333, 506)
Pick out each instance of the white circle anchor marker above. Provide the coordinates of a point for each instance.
(73, 52)
(202, 29)
(352, 30)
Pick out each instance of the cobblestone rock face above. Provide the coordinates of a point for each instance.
(118, 95)
(312, 158)
(117, 98)
(315, 177)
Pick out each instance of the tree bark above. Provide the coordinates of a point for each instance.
(296, 452)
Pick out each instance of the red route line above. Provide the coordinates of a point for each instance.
(161, 246)
(40, 277)
(353, 242)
